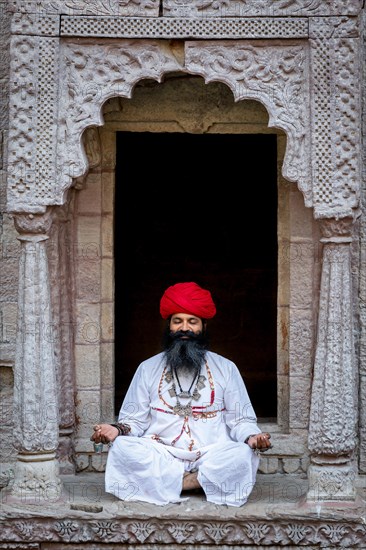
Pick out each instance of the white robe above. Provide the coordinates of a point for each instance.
(148, 464)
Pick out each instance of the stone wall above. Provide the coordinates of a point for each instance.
(362, 275)
(9, 248)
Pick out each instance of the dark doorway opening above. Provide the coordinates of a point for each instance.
(203, 208)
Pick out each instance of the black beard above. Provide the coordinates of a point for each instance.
(185, 356)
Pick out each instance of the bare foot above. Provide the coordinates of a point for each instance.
(190, 481)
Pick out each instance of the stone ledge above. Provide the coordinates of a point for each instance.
(276, 514)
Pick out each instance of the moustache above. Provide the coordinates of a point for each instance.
(184, 334)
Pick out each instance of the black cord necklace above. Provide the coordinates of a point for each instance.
(185, 393)
(186, 409)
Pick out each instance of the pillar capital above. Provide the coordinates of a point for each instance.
(336, 230)
(33, 224)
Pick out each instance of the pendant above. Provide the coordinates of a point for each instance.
(182, 410)
(201, 382)
(168, 376)
(184, 394)
(172, 392)
(196, 394)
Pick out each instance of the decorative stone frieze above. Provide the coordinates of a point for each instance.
(250, 8)
(36, 415)
(192, 8)
(147, 8)
(178, 28)
(140, 532)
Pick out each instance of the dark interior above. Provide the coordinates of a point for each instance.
(203, 208)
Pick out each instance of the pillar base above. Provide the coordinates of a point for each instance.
(36, 479)
(331, 482)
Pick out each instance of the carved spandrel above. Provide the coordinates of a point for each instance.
(93, 74)
(277, 76)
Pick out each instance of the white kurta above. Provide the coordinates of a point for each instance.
(149, 463)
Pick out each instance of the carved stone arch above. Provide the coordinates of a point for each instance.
(96, 72)
(276, 76)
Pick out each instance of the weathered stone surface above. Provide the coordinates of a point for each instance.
(300, 62)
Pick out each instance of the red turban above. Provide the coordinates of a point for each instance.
(187, 298)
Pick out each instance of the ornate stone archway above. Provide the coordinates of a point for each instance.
(65, 67)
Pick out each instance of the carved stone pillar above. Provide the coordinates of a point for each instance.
(333, 415)
(59, 252)
(35, 393)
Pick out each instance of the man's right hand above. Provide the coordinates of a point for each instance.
(104, 433)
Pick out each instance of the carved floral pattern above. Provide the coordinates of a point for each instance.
(214, 7)
(105, 529)
(181, 532)
(257, 531)
(66, 528)
(86, 7)
(299, 533)
(142, 530)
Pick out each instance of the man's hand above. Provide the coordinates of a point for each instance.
(104, 433)
(260, 441)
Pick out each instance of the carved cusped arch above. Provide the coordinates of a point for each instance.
(94, 73)
(277, 76)
(307, 76)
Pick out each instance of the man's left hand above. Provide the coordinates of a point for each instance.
(261, 442)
